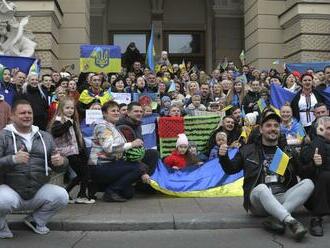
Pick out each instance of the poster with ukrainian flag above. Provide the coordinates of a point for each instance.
(100, 58)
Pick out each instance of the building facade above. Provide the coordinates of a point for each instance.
(205, 32)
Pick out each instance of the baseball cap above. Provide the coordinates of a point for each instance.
(268, 115)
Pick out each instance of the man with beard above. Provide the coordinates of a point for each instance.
(130, 127)
(265, 192)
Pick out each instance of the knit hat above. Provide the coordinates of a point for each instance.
(182, 140)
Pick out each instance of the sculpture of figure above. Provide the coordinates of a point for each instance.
(14, 39)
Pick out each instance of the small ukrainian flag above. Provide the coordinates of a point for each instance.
(301, 132)
(261, 104)
(279, 162)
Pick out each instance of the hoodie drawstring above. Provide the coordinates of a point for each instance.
(14, 140)
(45, 152)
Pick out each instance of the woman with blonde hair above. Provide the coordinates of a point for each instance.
(192, 89)
(236, 94)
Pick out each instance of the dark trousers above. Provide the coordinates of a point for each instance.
(117, 177)
(79, 164)
(150, 158)
(319, 202)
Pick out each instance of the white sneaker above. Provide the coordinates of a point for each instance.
(84, 200)
(72, 201)
(35, 227)
(5, 232)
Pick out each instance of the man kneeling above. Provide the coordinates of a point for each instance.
(265, 192)
(25, 154)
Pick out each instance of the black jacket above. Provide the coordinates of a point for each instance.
(250, 97)
(308, 169)
(130, 129)
(295, 102)
(248, 159)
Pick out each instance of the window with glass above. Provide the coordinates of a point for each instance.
(123, 41)
(184, 43)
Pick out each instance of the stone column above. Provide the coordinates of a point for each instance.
(74, 31)
(263, 33)
(306, 30)
(157, 11)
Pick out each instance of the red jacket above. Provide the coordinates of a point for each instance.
(176, 159)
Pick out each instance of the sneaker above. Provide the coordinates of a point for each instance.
(316, 227)
(5, 232)
(113, 197)
(274, 225)
(84, 200)
(297, 229)
(71, 201)
(35, 227)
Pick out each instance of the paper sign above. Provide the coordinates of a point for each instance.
(93, 116)
(121, 97)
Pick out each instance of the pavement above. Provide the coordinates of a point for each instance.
(153, 212)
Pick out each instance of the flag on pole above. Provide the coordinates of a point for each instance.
(261, 104)
(279, 163)
(242, 57)
(150, 58)
(224, 64)
(276, 62)
(35, 67)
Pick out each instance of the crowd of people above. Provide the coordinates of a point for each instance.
(43, 129)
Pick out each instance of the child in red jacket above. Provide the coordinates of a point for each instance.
(181, 157)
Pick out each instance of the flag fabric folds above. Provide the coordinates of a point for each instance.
(35, 67)
(299, 131)
(303, 67)
(208, 180)
(150, 57)
(100, 58)
(279, 96)
(280, 162)
(148, 126)
(326, 95)
(261, 104)
(23, 63)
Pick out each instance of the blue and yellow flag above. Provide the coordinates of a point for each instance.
(279, 96)
(208, 180)
(150, 57)
(95, 58)
(299, 130)
(261, 104)
(279, 163)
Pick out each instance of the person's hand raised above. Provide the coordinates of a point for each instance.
(317, 157)
(223, 149)
(57, 159)
(22, 157)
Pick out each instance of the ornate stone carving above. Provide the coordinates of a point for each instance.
(14, 40)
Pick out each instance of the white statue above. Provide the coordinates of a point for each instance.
(14, 40)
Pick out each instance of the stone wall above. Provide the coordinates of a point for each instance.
(306, 31)
(59, 28)
(263, 33)
(45, 22)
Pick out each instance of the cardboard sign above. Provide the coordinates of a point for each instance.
(93, 116)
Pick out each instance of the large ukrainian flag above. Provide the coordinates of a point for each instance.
(97, 58)
(208, 180)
